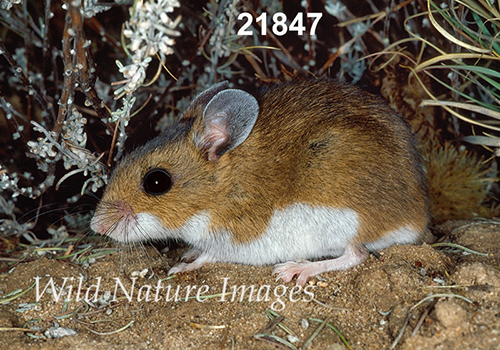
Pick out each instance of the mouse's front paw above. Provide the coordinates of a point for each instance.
(202, 259)
(286, 271)
(191, 255)
(182, 267)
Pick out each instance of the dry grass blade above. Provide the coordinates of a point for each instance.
(489, 141)
(344, 340)
(16, 295)
(467, 106)
(400, 335)
(205, 326)
(431, 297)
(457, 58)
(315, 334)
(275, 320)
(16, 329)
(273, 339)
(271, 325)
(203, 297)
(112, 332)
(424, 316)
(458, 246)
(453, 112)
(449, 36)
(273, 315)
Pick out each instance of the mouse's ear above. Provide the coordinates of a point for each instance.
(227, 121)
(204, 97)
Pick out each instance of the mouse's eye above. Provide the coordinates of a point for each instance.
(157, 181)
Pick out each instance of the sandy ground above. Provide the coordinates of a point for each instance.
(386, 300)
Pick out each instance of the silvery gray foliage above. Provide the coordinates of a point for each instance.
(10, 226)
(71, 150)
(9, 183)
(218, 41)
(149, 32)
(350, 60)
(92, 7)
(7, 4)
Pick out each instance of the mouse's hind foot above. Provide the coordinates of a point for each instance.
(352, 256)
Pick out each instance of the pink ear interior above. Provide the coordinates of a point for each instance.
(216, 135)
(227, 120)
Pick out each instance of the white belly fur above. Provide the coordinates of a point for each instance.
(299, 231)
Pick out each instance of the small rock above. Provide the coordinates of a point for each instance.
(451, 315)
(304, 323)
(59, 332)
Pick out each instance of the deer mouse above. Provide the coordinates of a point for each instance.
(308, 169)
